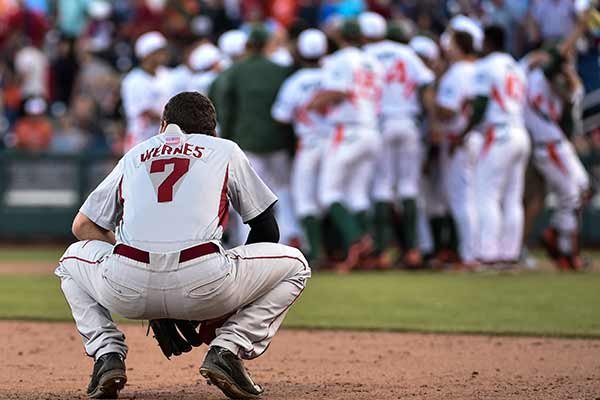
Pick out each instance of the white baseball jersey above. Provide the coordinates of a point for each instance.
(404, 74)
(454, 92)
(292, 99)
(201, 81)
(173, 191)
(356, 73)
(544, 109)
(500, 78)
(142, 92)
(180, 77)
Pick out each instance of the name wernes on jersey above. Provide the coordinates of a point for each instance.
(166, 149)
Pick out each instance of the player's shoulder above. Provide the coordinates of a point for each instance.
(136, 74)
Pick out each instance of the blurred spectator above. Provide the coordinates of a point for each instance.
(552, 19)
(84, 117)
(72, 16)
(64, 70)
(98, 80)
(68, 138)
(100, 30)
(33, 131)
(22, 21)
(31, 66)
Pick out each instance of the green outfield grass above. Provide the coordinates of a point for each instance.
(528, 303)
(31, 254)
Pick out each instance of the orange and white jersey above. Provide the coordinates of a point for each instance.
(454, 93)
(293, 97)
(173, 191)
(544, 109)
(500, 78)
(356, 73)
(404, 74)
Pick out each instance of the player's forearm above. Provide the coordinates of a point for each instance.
(85, 229)
(427, 97)
(264, 228)
(326, 98)
(479, 105)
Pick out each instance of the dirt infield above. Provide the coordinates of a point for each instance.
(46, 361)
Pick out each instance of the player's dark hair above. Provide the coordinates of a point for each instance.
(494, 38)
(464, 41)
(192, 112)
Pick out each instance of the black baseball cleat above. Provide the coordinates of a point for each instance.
(226, 371)
(108, 377)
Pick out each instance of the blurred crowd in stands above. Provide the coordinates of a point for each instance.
(61, 61)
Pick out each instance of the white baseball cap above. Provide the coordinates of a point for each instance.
(233, 43)
(204, 56)
(470, 26)
(312, 44)
(372, 25)
(148, 43)
(425, 47)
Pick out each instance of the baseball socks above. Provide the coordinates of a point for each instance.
(312, 230)
(355, 244)
(412, 257)
(382, 230)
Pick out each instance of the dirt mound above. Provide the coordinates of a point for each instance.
(46, 361)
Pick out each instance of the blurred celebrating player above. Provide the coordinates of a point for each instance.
(311, 129)
(454, 93)
(352, 83)
(498, 106)
(551, 94)
(146, 89)
(407, 80)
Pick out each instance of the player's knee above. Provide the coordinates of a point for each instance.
(74, 249)
(301, 265)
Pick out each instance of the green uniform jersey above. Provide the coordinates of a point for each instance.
(244, 96)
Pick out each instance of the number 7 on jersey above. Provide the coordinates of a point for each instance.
(180, 167)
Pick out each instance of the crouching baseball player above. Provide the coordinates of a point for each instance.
(167, 202)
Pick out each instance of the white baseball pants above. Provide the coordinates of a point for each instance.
(348, 167)
(500, 180)
(459, 183)
(275, 169)
(567, 179)
(260, 280)
(399, 161)
(305, 175)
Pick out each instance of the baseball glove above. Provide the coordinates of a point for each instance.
(175, 336)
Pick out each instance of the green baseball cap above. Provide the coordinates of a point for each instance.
(259, 35)
(350, 30)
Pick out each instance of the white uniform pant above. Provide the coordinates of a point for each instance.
(260, 280)
(348, 167)
(305, 179)
(274, 168)
(399, 161)
(567, 179)
(459, 183)
(499, 186)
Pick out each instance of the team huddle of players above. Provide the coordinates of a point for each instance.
(438, 137)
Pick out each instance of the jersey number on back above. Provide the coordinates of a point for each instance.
(180, 167)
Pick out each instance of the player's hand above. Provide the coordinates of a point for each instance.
(456, 142)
